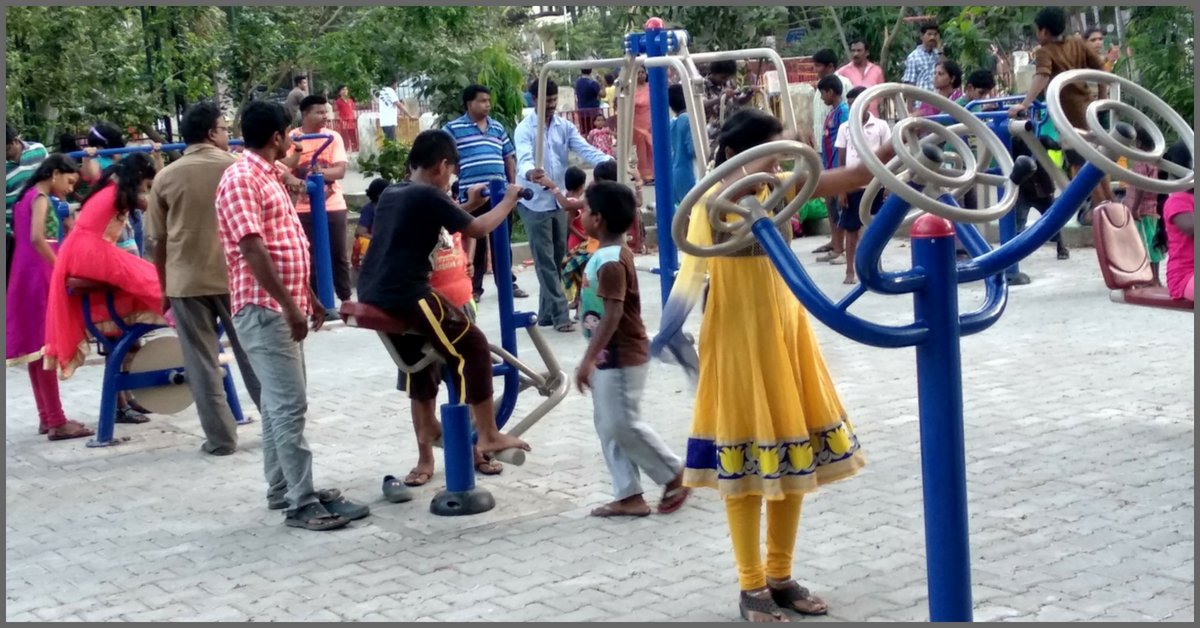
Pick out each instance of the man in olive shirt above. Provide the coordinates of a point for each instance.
(182, 219)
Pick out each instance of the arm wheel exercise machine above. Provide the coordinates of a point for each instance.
(462, 496)
(156, 370)
(920, 179)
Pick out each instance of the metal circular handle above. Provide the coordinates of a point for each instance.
(1182, 178)
(917, 158)
(805, 174)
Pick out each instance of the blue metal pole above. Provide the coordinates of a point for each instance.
(509, 319)
(320, 228)
(943, 457)
(660, 121)
(456, 439)
(1008, 223)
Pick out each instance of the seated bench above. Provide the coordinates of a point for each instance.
(1125, 263)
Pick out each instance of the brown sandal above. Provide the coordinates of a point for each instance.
(489, 467)
(792, 592)
(750, 603)
(417, 478)
(69, 430)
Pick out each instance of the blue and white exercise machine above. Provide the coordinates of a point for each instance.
(922, 181)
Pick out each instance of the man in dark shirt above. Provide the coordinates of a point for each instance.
(587, 91)
(587, 100)
(395, 277)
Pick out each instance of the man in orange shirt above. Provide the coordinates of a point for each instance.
(332, 163)
(861, 72)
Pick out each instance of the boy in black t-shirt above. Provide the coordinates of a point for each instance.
(617, 360)
(395, 277)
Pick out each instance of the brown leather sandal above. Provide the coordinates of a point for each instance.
(792, 592)
(69, 430)
(751, 604)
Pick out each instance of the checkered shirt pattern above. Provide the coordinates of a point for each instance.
(919, 67)
(252, 200)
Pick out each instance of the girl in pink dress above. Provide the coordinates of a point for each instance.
(90, 252)
(36, 227)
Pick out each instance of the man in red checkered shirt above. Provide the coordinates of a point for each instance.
(267, 254)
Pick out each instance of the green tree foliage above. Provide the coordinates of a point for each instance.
(389, 164)
(597, 34)
(68, 66)
(1161, 39)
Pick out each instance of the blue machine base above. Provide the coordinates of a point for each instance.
(472, 502)
(97, 444)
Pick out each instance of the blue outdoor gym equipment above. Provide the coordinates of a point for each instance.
(116, 348)
(658, 49)
(921, 179)
(461, 496)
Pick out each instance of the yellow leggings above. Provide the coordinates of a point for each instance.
(783, 522)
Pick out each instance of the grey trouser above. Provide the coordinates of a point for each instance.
(196, 320)
(629, 443)
(279, 363)
(547, 233)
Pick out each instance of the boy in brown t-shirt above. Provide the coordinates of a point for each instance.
(1055, 55)
(617, 360)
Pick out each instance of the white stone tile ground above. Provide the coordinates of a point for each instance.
(1079, 426)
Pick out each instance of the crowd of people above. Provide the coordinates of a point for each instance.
(232, 251)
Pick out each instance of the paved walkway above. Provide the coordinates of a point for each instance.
(1080, 417)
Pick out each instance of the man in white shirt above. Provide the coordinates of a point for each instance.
(545, 222)
(878, 133)
(390, 109)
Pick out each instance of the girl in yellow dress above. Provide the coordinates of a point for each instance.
(768, 424)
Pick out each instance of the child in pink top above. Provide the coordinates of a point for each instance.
(1179, 217)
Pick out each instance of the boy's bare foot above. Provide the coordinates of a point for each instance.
(496, 443)
(850, 280)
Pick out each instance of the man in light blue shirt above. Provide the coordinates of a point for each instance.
(545, 222)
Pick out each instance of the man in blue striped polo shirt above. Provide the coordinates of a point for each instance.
(484, 153)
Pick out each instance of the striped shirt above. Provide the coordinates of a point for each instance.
(481, 154)
(16, 173)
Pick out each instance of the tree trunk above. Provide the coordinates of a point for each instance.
(837, 22)
(887, 39)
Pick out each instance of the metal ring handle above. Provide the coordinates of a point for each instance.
(807, 170)
(874, 189)
(725, 204)
(1073, 138)
(995, 150)
(947, 176)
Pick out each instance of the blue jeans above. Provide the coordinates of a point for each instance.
(278, 362)
(547, 233)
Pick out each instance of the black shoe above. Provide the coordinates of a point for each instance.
(336, 504)
(315, 517)
(518, 293)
